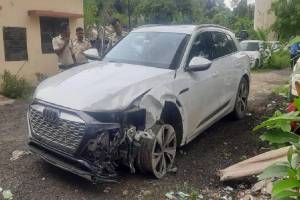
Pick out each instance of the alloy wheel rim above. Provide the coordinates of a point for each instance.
(164, 150)
(242, 100)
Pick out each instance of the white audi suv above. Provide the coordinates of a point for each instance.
(156, 89)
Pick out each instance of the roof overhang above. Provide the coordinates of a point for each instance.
(50, 13)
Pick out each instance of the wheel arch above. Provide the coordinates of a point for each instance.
(246, 76)
(171, 115)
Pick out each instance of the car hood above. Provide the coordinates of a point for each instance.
(253, 54)
(101, 86)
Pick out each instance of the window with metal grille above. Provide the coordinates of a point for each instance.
(49, 29)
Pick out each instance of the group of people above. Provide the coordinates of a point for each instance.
(70, 53)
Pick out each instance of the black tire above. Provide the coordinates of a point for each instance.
(152, 157)
(241, 101)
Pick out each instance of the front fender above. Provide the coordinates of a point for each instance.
(154, 102)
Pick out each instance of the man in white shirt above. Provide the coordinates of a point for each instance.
(79, 46)
(62, 46)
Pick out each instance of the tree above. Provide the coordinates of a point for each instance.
(90, 13)
(157, 11)
(287, 22)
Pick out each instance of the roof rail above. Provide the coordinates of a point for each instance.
(212, 25)
(149, 25)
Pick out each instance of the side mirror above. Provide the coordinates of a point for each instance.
(92, 54)
(198, 64)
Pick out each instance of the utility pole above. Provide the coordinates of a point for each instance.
(129, 14)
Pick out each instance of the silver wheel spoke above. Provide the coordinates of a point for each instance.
(170, 153)
(157, 160)
(169, 139)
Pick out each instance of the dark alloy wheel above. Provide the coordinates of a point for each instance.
(157, 155)
(241, 102)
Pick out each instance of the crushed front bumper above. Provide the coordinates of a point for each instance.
(74, 162)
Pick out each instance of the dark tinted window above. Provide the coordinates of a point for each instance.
(49, 30)
(202, 46)
(223, 44)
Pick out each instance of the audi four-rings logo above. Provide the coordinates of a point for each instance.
(51, 115)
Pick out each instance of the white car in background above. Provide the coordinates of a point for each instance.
(158, 88)
(295, 77)
(253, 49)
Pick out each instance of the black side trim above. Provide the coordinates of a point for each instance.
(214, 113)
(183, 91)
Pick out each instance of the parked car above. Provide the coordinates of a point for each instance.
(254, 49)
(295, 77)
(158, 88)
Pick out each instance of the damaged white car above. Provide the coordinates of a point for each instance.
(157, 89)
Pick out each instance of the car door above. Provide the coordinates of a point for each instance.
(227, 64)
(201, 99)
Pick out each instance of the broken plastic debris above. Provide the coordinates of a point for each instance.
(18, 154)
(176, 195)
(253, 166)
(7, 195)
(173, 170)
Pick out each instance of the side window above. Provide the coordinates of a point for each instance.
(231, 44)
(223, 44)
(202, 46)
(49, 29)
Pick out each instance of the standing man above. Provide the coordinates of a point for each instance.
(62, 46)
(79, 46)
(118, 31)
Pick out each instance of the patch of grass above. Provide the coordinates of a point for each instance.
(278, 60)
(15, 87)
(282, 90)
(260, 70)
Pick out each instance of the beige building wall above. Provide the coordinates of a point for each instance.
(263, 18)
(14, 13)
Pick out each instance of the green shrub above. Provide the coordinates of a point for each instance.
(14, 87)
(278, 60)
(278, 131)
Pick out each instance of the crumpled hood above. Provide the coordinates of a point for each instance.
(253, 54)
(101, 86)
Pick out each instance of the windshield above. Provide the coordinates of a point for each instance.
(250, 46)
(148, 48)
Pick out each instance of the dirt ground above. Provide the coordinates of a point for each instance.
(227, 142)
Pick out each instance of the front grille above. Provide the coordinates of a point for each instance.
(63, 135)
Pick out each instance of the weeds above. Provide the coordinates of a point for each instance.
(282, 90)
(15, 87)
(278, 60)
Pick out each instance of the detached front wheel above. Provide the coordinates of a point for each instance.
(157, 155)
(241, 102)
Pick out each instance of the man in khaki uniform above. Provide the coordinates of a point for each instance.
(118, 32)
(62, 46)
(79, 46)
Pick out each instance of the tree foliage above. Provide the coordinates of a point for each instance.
(171, 12)
(287, 22)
